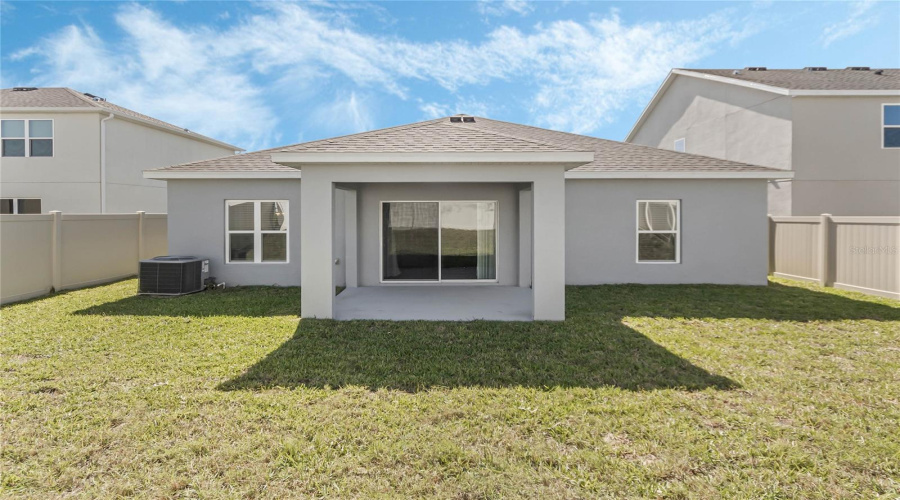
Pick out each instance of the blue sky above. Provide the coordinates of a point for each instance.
(263, 74)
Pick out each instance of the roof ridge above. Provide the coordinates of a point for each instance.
(81, 96)
(533, 141)
(330, 139)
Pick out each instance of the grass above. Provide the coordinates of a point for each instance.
(645, 391)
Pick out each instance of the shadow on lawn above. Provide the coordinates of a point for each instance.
(412, 356)
(592, 348)
(252, 301)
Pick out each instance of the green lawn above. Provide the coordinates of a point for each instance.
(645, 391)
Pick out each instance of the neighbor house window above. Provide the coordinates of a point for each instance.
(890, 121)
(658, 231)
(256, 231)
(27, 137)
(20, 206)
(679, 145)
(439, 241)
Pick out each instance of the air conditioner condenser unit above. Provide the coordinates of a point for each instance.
(172, 275)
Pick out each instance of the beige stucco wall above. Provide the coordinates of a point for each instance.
(725, 121)
(133, 148)
(833, 144)
(70, 180)
(839, 163)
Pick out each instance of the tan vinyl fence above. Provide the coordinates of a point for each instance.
(851, 253)
(56, 251)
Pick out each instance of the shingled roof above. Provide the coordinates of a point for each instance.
(818, 79)
(482, 135)
(63, 97)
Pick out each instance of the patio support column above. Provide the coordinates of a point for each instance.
(549, 245)
(316, 265)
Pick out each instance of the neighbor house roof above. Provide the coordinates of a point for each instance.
(61, 98)
(806, 79)
(611, 158)
(813, 81)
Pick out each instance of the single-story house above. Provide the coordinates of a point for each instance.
(465, 217)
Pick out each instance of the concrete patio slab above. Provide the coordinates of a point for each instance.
(435, 303)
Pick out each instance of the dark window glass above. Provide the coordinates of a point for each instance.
(892, 137)
(6, 206)
(241, 247)
(468, 237)
(659, 247)
(13, 147)
(410, 241)
(41, 147)
(274, 247)
(29, 206)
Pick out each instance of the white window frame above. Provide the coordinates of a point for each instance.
(638, 232)
(683, 145)
(440, 279)
(16, 201)
(884, 125)
(257, 233)
(27, 137)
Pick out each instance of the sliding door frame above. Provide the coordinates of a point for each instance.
(440, 279)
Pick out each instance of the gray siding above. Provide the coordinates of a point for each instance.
(197, 226)
(723, 238)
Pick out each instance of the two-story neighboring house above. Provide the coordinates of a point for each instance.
(837, 129)
(65, 150)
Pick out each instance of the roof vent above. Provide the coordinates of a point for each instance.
(469, 119)
(95, 98)
(736, 72)
(858, 68)
(23, 89)
(878, 72)
(815, 68)
(755, 68)
(455, 119)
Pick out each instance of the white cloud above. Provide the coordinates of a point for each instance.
(503, 7)
(346, 114)
(859, 19)
(577, 74)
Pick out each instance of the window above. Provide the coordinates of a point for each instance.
(256, 231)
(658, 231)
(679, 145)
(438, 241)
(27, 137)
(20, 206)
(890, 122)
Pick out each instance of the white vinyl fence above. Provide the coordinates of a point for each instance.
(851, 253)
(56, 251)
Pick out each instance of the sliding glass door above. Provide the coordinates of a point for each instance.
(439, 241)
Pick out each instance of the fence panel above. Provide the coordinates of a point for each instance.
(852, 253)
(25, 256)
(56, 251)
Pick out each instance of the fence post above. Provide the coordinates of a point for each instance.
(825, 277)
(140, 239)
(771, 245)
(56, 251)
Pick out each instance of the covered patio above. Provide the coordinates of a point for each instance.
(435, 303)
